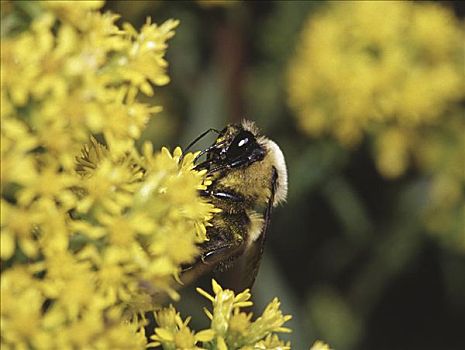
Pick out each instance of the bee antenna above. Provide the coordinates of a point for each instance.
(208, 149)
(197, 139)
(218, 168)
(203, 152)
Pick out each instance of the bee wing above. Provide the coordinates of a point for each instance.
(210, 259)
(242, 275)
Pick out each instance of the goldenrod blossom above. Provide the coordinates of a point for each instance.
(91, 231)
(174, 333)
(233, 328)
(319, 345)
(391, 73)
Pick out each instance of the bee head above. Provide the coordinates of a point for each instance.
(236, 146)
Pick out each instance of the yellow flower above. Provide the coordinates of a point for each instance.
(18, 166)
(18, 226)
(21, 311)
(239, 322)
(392, 147)
(122, 230)
(234, 329)
(67, 279)
(271, 320)
(400, 87)
(346, 78)
(271, 342)
(319, 345)
(166, 182)
(109, 187)
(147, 48)
(174, 333)
(48, 184)
(93, 247)
(70, 11)
(224, 303)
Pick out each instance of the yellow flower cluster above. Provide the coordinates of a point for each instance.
(91, 235)
(230, 328)
(319, 345)
(363, 65)
(391, 71)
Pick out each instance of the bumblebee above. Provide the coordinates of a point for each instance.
(249, 178)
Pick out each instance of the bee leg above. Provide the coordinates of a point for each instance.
(209, 260)
(218, 254)
(229, 196)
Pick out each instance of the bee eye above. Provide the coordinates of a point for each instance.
(240, 145)
(243, 142)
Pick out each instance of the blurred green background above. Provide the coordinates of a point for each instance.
(349, 255)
